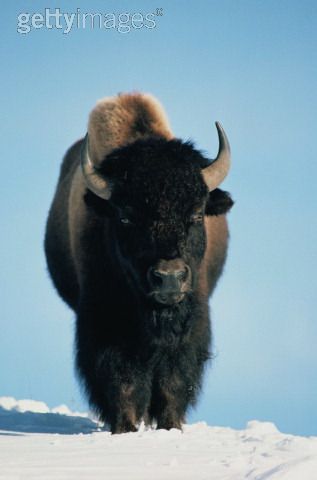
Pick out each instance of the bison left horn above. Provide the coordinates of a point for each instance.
(216, 172)
(94, 181)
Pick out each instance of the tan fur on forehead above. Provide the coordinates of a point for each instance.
(118, 121)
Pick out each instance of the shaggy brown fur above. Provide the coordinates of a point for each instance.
(118, 121)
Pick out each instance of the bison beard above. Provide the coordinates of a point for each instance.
(136, 240)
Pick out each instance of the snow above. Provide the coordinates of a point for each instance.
(41, 443)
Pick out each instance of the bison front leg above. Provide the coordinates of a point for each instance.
(176, 384)
(116, 381)
(124, 415)
(118, 391)
(170, 399)
(127, 397)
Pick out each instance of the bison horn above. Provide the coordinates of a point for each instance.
(215, 173)
(94, 181)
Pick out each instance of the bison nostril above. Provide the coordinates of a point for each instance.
(155, 277)
(182, 274)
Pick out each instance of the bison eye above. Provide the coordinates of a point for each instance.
(125, 221)
(197, 217)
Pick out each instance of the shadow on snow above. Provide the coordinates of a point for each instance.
(33, 422)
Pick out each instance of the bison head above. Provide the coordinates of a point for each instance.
(155, 193)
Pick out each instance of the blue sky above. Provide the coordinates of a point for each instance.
(250, 64)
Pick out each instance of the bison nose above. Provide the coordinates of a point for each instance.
(168, 280)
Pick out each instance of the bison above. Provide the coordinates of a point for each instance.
(135, 242)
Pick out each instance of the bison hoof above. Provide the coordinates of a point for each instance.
(124, 428)
(168, 425)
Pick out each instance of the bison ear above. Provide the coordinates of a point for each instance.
(98, 205)
(218, 203)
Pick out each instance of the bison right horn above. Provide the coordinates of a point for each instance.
(95, 182)
(216, 172)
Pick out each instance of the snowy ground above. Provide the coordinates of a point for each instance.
(39, 443)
